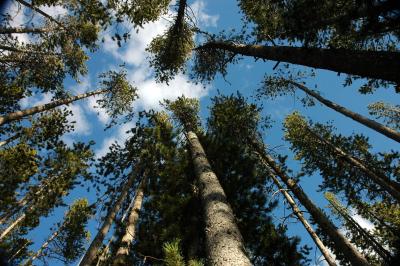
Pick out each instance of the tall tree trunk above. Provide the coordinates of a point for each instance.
(370, 64)
(22, 2)
(91, 253)
(340, 242)
(10, 139)
(4, 30)
(224, 243)
(44, 107)
(12, 226)
(129, 236)
(379, 249)
(45, 245)
(390, 186)
(296, 210)
(388, 132)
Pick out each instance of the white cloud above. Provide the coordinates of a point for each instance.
(364, 223)
(82, 126)
(204, 19)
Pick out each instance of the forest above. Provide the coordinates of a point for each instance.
(199, 133)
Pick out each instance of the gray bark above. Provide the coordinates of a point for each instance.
(388, 132)
(91, 253)
(44, 107)
(340, 242)
(224, 243)
(370, 64)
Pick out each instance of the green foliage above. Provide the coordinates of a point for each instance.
(119, 96)
(390, 114)
(185, 111)
(172, 254)
(171, 50)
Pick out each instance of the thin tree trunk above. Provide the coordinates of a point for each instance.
(10, 139)
(129, 236)
(22, 2)
(340, 242)
(44, 107)
(382, 252)
(224, 243)
(12, 226)
(45, 244)
(388, 132)
(390, 186)
(324, 250)
(91, 253)
(370, 64)
(4, 30)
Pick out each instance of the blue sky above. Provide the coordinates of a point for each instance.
(244, 77)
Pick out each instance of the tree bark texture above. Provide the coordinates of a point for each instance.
(388, 132)
(129, 236)
(224, 243)
(91, 253)
(369, 64)
(340, 242)
(45, 107)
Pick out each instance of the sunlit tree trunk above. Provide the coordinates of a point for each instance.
(43, 247)
(388, 132)
(370, 64)
(45, 107)
(12, 226)
(224, 243)
(341, 244)
(129, 236)
(91, 253)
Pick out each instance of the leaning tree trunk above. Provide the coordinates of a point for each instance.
(224, 243)
(91, 253)
(370, 64)
(390, 186)
(4, 30)
(45, 107)
(324, 250)
(12, 226)
(388, 132)
(341, 244)
(10, 139)
(129, 236)
(45, 245)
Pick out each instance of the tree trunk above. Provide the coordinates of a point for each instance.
(388, 132)
(12, 226)
(4, 30)
(390, 186)
(369, 64)
(324, 250)
(10, 139)
(129, 236)
(224, 243)
(45, 244)
(379, 249)
(340, 242)
(91, 253)
(44, 107)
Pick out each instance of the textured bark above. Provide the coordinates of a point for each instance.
(388, 132)
(129, 236)
(370, 64)
(390, 186)
(44, 107)
(91, 253)
(224, 243)
(324, 250)
(340, 242)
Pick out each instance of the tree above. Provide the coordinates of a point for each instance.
(66, 243)
(278, 85)
(224, 243)
(306, 142)
(390, 114)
